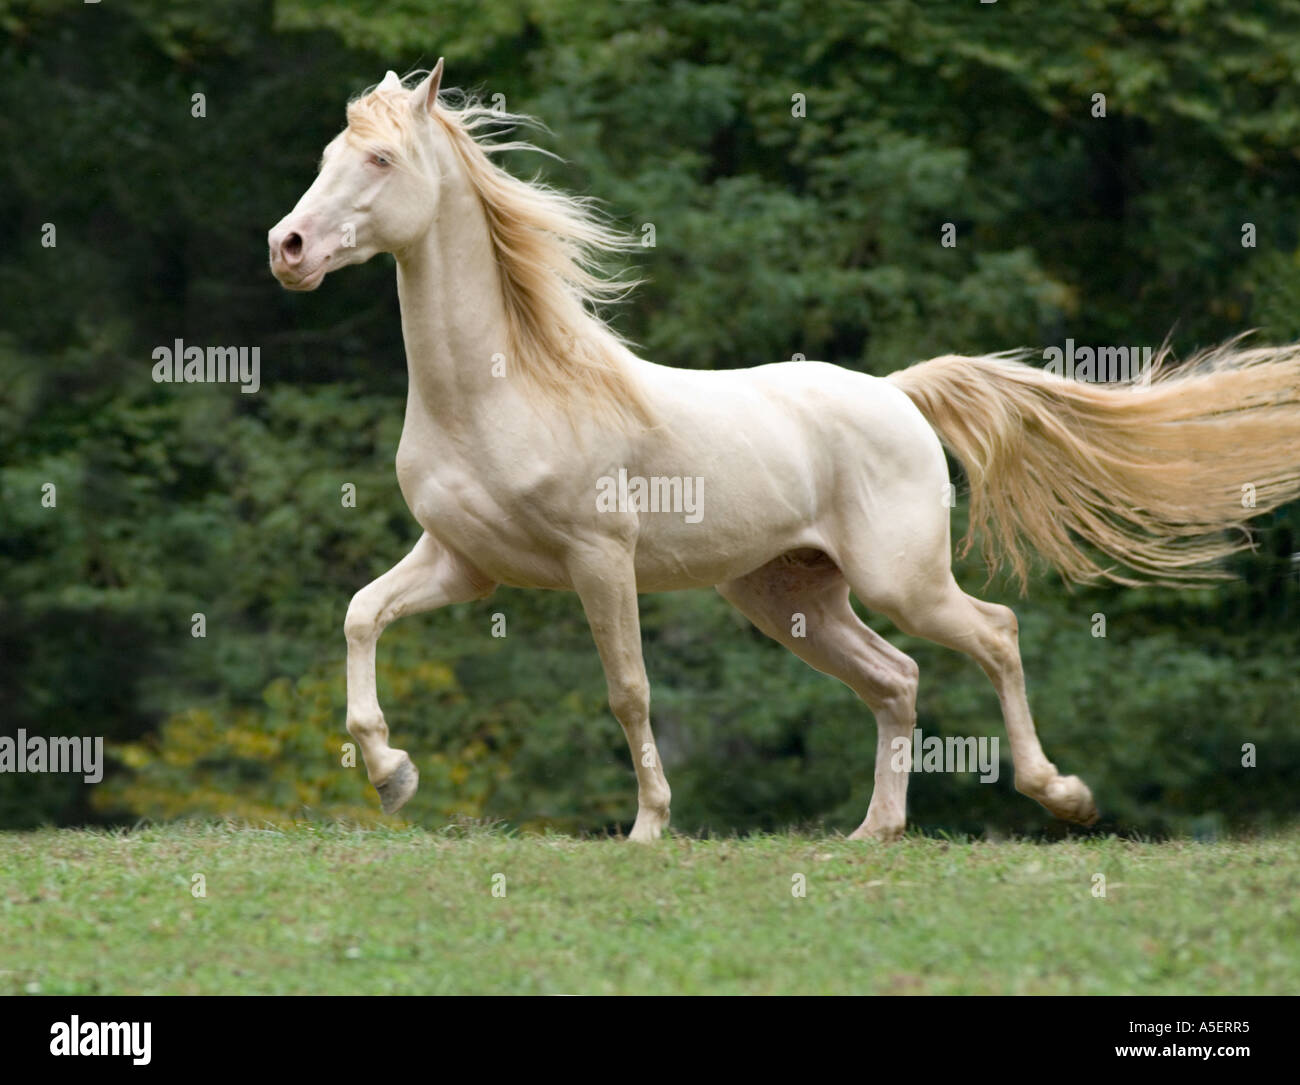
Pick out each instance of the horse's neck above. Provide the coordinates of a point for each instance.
(453, 315)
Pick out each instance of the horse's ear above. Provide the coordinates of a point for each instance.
(425, 96)
(391, 82)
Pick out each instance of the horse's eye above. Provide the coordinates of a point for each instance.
(379, 159)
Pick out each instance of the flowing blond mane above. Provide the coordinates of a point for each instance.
(548, 245)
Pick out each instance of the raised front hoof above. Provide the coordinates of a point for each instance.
(1068, 798)
(399, 787)
(885, 834)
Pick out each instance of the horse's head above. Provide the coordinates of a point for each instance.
(376, 191)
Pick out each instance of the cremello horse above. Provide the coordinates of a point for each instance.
(817, 480)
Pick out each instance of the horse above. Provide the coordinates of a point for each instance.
(523, 404)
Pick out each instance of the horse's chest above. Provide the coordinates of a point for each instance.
(447, 493)
(459, 506)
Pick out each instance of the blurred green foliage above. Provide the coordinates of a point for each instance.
(775, 235)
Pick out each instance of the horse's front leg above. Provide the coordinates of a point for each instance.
(606, 584)
(430, 576)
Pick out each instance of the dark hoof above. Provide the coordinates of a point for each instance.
(399, 787)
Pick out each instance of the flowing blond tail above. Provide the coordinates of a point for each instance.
(1144, 481)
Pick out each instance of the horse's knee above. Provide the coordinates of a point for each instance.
(629, 697)
(362, 620)
(894, 688)
(911, 680)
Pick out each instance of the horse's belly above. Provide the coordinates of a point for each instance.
(676, 555)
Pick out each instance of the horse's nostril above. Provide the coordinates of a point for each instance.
(292, 245)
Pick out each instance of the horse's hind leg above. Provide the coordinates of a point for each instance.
(837, 643)
(987, 632)
(430, 576)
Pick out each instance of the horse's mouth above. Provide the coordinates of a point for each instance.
(303, 283)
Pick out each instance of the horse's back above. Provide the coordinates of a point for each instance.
(796, 455)
(816, 409)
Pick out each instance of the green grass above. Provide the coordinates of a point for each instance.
(326, 909)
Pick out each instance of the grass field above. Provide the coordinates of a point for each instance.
(329, 909)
